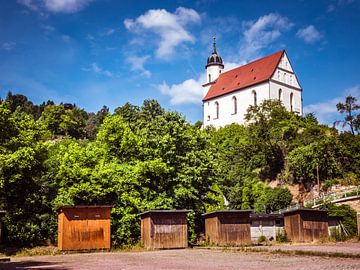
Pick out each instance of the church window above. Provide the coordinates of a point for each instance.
(208, 117)
(234, 104)
(209, 77)
(284, 77)
(279, 75)
(280, 94)
(255, 97)
(291, 101)
(216, 110)
(291, 80)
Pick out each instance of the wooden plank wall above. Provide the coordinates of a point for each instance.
(165, 230)
(307, 226)
(84, 228)
(234, 229)
(293, 228)
(212, 230)
(315, 226)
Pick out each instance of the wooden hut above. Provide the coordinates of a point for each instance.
(306, 225)
(163, 229)
(228, 227)
(268, 225)
(84, 227)
(2, 213)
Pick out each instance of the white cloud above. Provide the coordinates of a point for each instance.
(8, 46)
(339, 4)
(189, 91)
(309, 34)
(137, 64)
(95, 68)
(259, 34)
(326, 111)
(55, 6)
(170, 27)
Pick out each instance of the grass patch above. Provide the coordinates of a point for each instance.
(303, 253)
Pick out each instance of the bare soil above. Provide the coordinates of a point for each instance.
(182, 259)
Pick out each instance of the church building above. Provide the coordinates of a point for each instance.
(227, 95)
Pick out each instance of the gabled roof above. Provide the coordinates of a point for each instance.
(247, 75)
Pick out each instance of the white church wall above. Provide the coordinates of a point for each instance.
(213, 72)
(244, 98)
(286, 92)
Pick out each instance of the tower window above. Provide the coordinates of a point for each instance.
(291, 101)
(216, 110)
(234, 100)
(209, 77)
(255, 97)
(280, 94)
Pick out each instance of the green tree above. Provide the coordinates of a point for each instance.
(351, 118)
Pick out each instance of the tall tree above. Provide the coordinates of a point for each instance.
(351, 118)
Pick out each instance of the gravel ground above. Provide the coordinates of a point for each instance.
(181, 259)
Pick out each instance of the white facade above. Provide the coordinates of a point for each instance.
(232, 107)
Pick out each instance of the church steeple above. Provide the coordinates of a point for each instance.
(214, 64)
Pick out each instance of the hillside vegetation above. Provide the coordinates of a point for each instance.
(145, 157)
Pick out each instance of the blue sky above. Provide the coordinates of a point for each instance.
(104, 52)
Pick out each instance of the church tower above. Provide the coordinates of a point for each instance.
(213, 67)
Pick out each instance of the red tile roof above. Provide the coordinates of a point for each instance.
(241, 77)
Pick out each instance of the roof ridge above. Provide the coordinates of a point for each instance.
(253, 61)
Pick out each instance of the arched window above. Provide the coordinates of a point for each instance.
(208, 117)
(279, 75)
(255, 97)
(216, 110)
(284, 77)
(234, 100)
(291, 101)
(291, 80)
(209, 77)
(280, 94)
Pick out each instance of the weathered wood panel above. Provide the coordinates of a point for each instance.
(305, 225)
(84, 228)
(164, 229)
(228, 227)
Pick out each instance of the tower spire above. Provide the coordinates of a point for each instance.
(214, 45)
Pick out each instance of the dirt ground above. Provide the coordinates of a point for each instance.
(182, 259)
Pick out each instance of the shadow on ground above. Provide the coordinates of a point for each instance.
(31, 265)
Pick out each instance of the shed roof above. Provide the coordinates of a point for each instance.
(82, 206)
(225, 211)
(293, 211)
(245, 76)
(164, 211)
(266, 216)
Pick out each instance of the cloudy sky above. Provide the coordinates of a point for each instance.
(104, 52)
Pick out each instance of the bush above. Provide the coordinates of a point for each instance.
(281, 236)
(262, 239)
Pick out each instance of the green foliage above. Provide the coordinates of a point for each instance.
(347, 214)
(144, 157)
(281, 236)
(262, 239)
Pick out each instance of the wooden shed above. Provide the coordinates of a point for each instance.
(84, 227)
(228, 227)
(164, 229)
(2, 213)
(306, 225)
(268, 225)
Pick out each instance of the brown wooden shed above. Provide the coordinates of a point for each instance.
(228, 227)
(84, 227)
(306, 225)
(162, 229)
